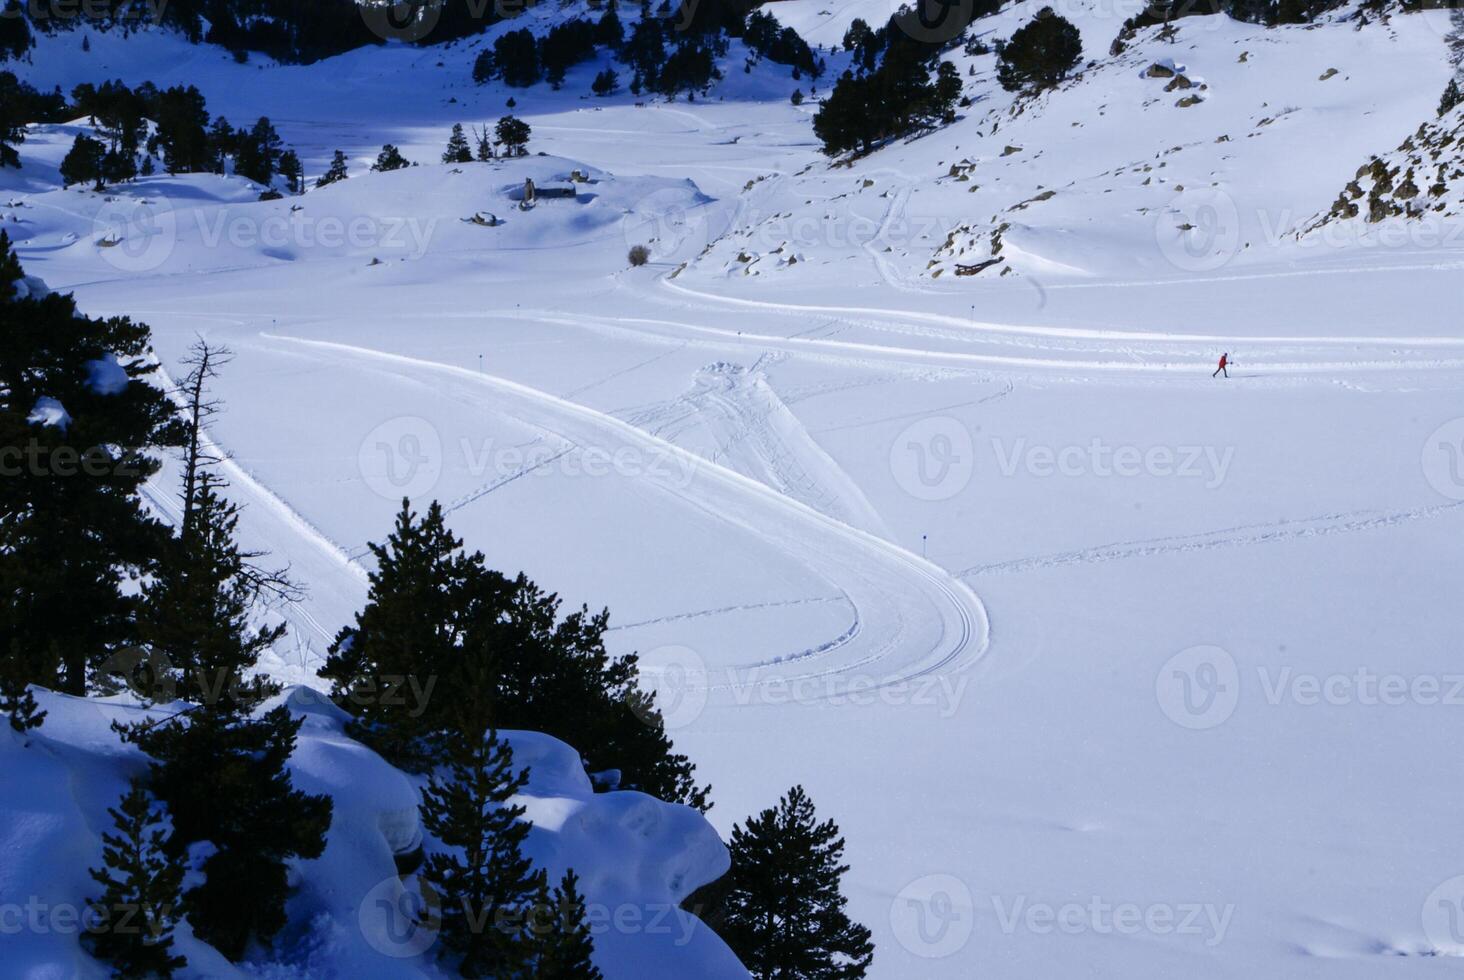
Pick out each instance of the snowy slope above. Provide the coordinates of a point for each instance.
(945, 549)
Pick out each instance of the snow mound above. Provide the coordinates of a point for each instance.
(638, 857)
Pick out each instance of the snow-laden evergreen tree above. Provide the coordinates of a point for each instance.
(220, 764)
(79, 427)
(390, 158)
(785, 915)
(336, 171)
(140, 904)
(458, 150)
(480, 882)
(563, 946)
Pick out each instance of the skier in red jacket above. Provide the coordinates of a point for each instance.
(1224, 361)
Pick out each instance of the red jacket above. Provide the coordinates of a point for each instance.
(1222, 359)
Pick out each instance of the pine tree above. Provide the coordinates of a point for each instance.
(293, 172)
(73, 534)
(1039, 54)
(609, 31)
(605, 82)
(406, 638)
(140, 903)
(458, 150)
(219, 767)
(1452, 97)
(390, 158)
(257, 153)
(437, 619)
(83, 162)
(483, 896)
(483, 66)
(222, 141)
(563, 946)
(196, 609)
(224, 779)
(485, 144)
(336, 172)
(513, 134)
(785, 915)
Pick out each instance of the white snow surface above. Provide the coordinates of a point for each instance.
(1103, 666)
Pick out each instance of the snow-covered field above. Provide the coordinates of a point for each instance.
(1104, 667)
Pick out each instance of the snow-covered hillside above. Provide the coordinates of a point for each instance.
(907, 476)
